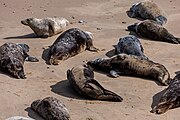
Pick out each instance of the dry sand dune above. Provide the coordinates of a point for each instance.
(107, 20)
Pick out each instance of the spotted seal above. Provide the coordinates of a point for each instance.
(12, 57)
(18, 118)
(152, 30)
(82, 79)
(70, 43)
(131, 65)
(46, 27)
(148, 10)
(51, 108)
(130, 45)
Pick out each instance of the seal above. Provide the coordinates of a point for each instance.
(12, 57)
(82, 79)
(51, 108)
(46, 27)
(152, 30)
(18, 118)
(131, 65)
(148, 10)
(130, 45)
(171, 98)
(70, 43)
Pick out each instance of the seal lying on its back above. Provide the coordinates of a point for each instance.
(148, 10)
(82, 80)
(51, 108)
(46, 27)
(130, 45)
(131, 65)
(171, 97)
(19, 118)
(70, 43)
(12, 57)
(151, 30)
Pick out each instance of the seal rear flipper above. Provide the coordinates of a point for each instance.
(172, 39)
(93, 49)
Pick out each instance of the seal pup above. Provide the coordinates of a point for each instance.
(46, 27)
(70, 43)
(152, 30)
(12, 57)
(171, 98)
(131, 65)
(130, 45)
(148, 10)
(51, 108)
(82, 79)
(18, 118)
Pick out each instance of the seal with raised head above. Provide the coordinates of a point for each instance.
(171, 98)
(18, 118)
(148, 10)
(12, 57)
(131, 65)
(70, 43)
(152, 30)
(130, 45)
(46, 27)
(82, 79)
(51, 108)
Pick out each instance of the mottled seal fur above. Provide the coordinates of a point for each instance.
(46, 27)
(148, 10)
(171, 98)
(18, 118)
(12, 57)
(51, 108)
(152, 30)
(82, 79)
(130, 45)
(131, 65)
(70, 43)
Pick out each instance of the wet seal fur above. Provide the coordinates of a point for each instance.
(51, 108)
(148, 10)
(18, 118)
(46, 27)
(12, 57)
(131, 65)
(82, 79)
(152, 30)
(171, 98)
(130, 45)
(70, 43)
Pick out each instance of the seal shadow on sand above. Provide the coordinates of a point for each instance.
(65, 89)
(45, 56)
(32, 114)
(31, 35)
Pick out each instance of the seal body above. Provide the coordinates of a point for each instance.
(82, 80)
(130, 45)
(152, 30)
(132, 65)
(51, 108)
(148, 10)
(171, 98)
(12, 57)
(46, 27)
(70, 43)
(19, 118)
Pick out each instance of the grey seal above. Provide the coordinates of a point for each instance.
(82, 79)
(131, 65)
(18, 118)
(46, 27)
(51, 108)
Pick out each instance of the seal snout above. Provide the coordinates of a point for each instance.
(161, 20)
(24, 22)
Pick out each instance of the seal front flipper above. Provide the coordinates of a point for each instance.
(31, 59)
(93, 49)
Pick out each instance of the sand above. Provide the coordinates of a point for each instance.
(107, 20)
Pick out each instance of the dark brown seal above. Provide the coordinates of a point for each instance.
(51, 108)
(82, 80)
(131, 65)
(70, 43)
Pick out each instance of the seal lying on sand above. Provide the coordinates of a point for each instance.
(51, 108)
(148, 10)
(46, 27)
(70, 43)
(82, 80)
(12, 57)
(19, 118)
(130, 45)
(151, 30)
(171, 97)
(131, 65)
